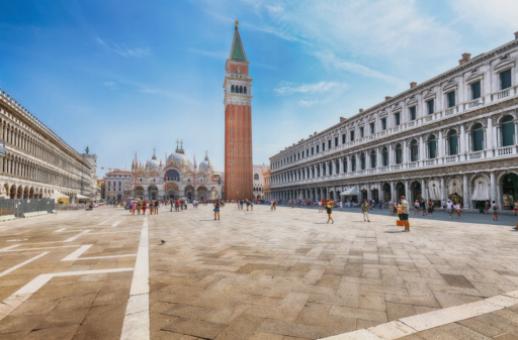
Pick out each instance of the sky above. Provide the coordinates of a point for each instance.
(127, 76)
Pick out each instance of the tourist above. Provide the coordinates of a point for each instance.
(177, 205)
(423, 206)
(247, 202)
(171, 202)
(157, 205)
(458, 209)
(494, 209)
(430, 206)
(449, 207)
(133, 207)
(403, 213)
(273, 207)
(365, 210)
(217, 207)
(417, 206)
(487, 206)
(329, 209)
(144, 207)
(321, 205)
(139, 206)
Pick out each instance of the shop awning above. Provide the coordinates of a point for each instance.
(352, 191)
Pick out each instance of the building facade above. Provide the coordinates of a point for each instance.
(238, 123)
(35, 162)
(453, 136)
(259, 181)
(173, 177)
(118, 185)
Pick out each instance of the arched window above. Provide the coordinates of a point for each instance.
(399, 154)
(373, 159)
(256, 177)
(232, 88)
(344, 161)
(453, 143)
(362, 160)
(507, 130)
(353, 163)
(240, 89)
(432, 147)
(385, 156)
(323, 169)
(244, 89)
(414, 151)
(337, 165)
(477, 137)
(172, 175)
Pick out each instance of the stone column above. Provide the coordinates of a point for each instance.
(489, 136)
(424, 189)
(440, 145)
(405, 152)
(393, 194)
(465, 192)
(462, 140)
(492, 186)
(444, 190)
(341, 165)
(422, 150)
(379, 158)
(392, 156)
(407, 190)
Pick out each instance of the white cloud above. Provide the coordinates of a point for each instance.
(288, 88)
(488, 16)
(124, 51)
(329, 59)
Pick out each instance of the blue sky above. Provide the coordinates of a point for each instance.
(128, 76)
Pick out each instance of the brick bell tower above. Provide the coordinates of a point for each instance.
(238, 123)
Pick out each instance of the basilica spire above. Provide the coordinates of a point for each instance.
(237, 52)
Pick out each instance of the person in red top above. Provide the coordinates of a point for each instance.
(144, 207)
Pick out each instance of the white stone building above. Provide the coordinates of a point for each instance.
(259, 181)
(452, 136)
(35, 162)
(118, 184)
(174, 177)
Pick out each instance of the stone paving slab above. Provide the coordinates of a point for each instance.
(258, 275)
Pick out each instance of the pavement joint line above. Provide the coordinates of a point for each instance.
(60, 230)
(75, 237)
(17, 240)
(76, 253)
(421, 322)
(116, 223)
(19, 265)
(39, 248)
(114, 232)
(8, 305)
(136, 317)
(5, 249)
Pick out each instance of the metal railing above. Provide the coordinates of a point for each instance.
(18, 207)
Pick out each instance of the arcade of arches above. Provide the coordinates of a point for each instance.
(471, 190)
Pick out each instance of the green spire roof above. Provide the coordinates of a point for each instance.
(237, 52)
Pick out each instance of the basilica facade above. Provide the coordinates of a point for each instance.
(454, 136)
(174, 177)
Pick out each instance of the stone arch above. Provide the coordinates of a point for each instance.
(26, 192)
(480, 189)
(416, 191)
(189, 192)
(31, 192)
(508, 185)
(387, 194)
(201, 193)
(400, 190)
(19, 192)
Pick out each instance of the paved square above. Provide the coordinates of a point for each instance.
(253, 275)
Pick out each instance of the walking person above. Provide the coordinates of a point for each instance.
(273, 207)
(365, 210)
(494, 208)
(157, 205)
(329, 209)
(139, 206)
(403, 213)
(217, 207)
(144, 207)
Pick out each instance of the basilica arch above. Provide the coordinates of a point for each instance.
(171, 190)
(201, 193)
